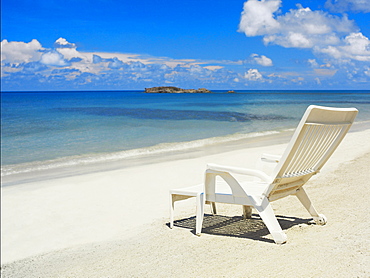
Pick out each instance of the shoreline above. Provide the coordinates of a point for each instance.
(153, 154)
(192, 149)
(58, 215)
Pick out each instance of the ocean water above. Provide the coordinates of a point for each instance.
(49, 130)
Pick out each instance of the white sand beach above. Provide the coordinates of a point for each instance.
(114, 223)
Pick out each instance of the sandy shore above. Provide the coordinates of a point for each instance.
(114, 223)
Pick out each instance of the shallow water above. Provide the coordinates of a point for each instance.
(47, 130)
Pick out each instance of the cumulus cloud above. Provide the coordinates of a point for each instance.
(115, 64)
(68, 50)
(299, 28)
(97, 59)
(261, 60)
(53, 58)
(257, 17)
(20, 52)
(348, 5)
(355, 46)
(63, 43)
(334, 36)
(253, 75)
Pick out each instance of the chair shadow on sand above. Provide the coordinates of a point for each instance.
(237, 226)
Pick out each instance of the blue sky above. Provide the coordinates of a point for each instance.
(125, 45)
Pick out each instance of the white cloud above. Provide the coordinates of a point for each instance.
(53, 58)
(115, 64)
(257, 17)
(66, 55)
(348, 5)
(69, 50)
(20, 52)
(355, 46)
(63, 43)
(124, 57)
(253, 75)
(261, 60)
(299, 28)
(77, 68)
(367, 71)
(313, 63)
(334, 36)
(213, 67)
(66, 64)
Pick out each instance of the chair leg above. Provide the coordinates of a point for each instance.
(213, 208)
(268, 216)
(247, 212)
(172, 209)
(200, 199)
(301, 194)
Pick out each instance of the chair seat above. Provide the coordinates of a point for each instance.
(224, 193)
(252, 188)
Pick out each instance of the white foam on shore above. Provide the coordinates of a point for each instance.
(162, 148)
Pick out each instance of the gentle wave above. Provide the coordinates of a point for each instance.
(162, 148)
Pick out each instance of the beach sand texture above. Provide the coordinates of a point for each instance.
(115, 223)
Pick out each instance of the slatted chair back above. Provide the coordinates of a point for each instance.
(318, 134)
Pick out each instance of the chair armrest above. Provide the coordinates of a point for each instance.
(238, 170)
(270, 158)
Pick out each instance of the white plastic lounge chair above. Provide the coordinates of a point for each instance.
(318, 134)
(197, 191)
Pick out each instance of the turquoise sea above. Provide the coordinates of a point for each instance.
(51, 130)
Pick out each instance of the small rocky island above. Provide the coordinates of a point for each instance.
(175, 90)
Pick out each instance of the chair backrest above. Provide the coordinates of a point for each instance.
(318, 134)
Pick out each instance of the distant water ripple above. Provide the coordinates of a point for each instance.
(164, 114)
(269, 102)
